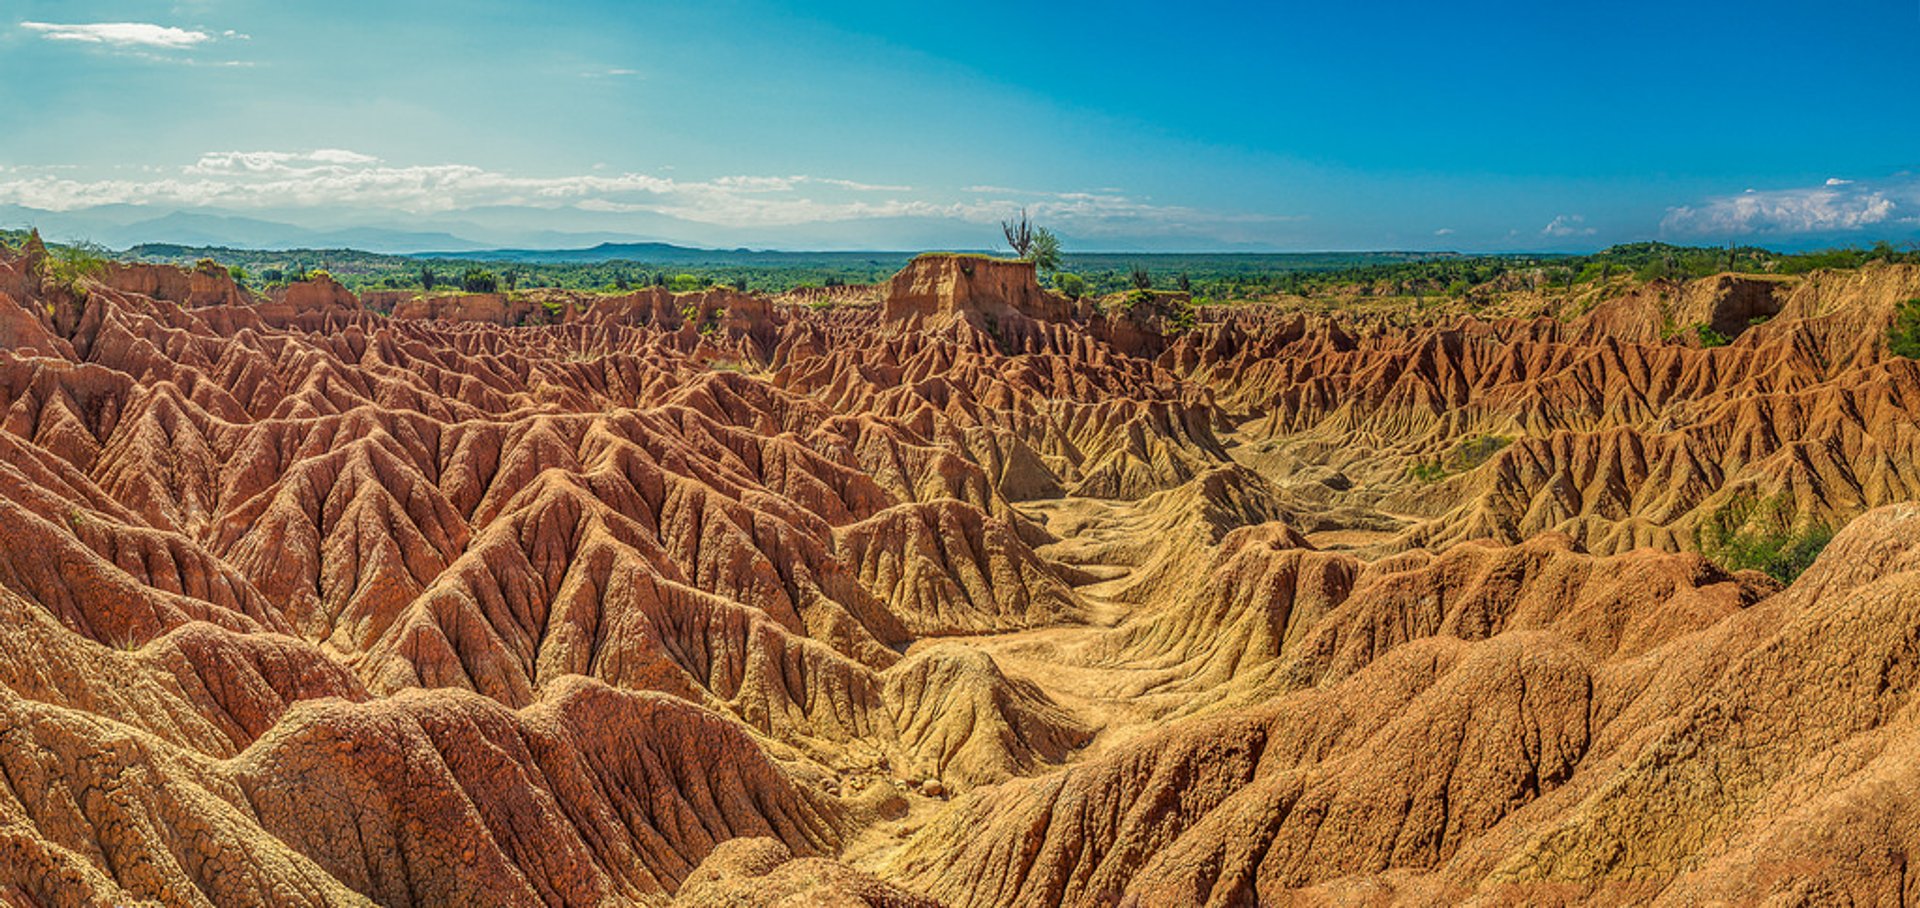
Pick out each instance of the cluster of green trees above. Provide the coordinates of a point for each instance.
(1209, 277)
(377, 271)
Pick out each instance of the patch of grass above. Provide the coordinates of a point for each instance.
(1474, 450)
(1467, 453)
(1903, 338)
(1750, 533)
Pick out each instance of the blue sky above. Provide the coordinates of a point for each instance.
(1200, 125)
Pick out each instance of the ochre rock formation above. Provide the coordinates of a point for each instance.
(968, 596)
(934, 287)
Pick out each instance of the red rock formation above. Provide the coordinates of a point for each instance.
(935, 287)
(975, 595)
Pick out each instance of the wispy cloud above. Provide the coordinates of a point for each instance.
(1567, 225)
(855, 186)
(342, 178)
(122, 34)
(1836, 205)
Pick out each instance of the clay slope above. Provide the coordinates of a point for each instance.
(957, 592)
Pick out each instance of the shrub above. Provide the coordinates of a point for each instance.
(1903, 338)
(1179, 314)
(1427, 471)
(479, 280)
(1072, 285)
(1141, 279)
(67, 266)
(1044, 251)
(1748, 533)
(1709, 337)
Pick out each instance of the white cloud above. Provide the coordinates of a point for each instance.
(341, 178)
(281, 162)
(854, 186)
(120, 34)
(1567, 225)
(1444, 231)
(340, 156)
(1835, 206)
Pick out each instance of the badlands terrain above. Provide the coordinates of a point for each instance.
(957, 592)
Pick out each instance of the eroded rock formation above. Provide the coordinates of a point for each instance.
(970, 597)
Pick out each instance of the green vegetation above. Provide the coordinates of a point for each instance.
(1426, 277)
(1748, 533)
(1071, 285)
(1032, 244)
(1176, 311)
(690, 314)
(1903, 337)
(1474, 450)
(1045, 252)
(68, 265)
(1465, 454)
(479, 280)
(1469, 452)
(1709, 337)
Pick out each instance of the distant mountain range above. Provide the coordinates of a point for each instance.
(657, 253)
(520, 233)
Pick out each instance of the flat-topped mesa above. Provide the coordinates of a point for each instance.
(206, 284)
(493, 308)
(310, 303)
(936, 286)
(716, 308)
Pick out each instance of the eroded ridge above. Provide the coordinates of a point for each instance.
(976, 595)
